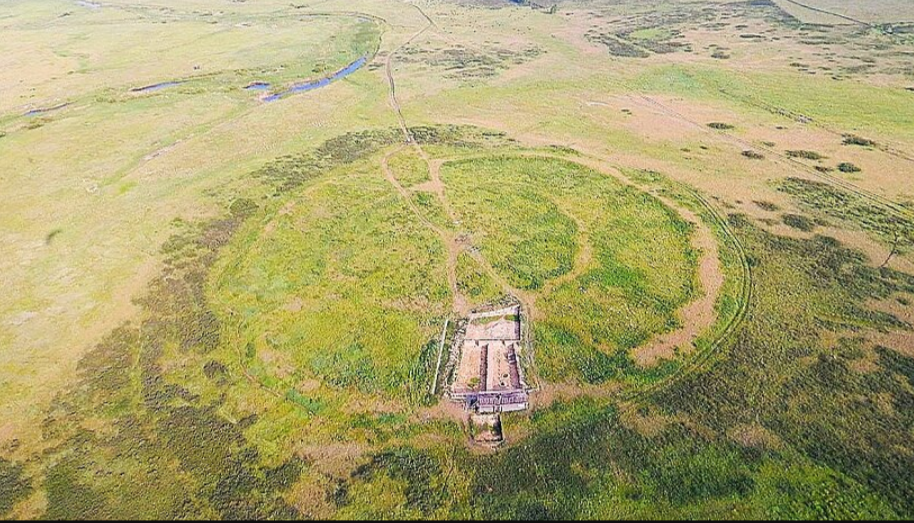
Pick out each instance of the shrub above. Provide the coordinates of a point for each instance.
(847, 167)
(806, 155)
(13, 486)
(766, 206)
(752, 155)
(799, 222)
(852, 139)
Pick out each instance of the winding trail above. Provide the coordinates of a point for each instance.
(392, 85)
(527, 300)
(460, 305)
(699, 314)
(454, 243)
(438, 187)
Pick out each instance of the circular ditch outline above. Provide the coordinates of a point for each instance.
(696, 361)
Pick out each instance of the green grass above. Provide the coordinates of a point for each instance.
(348, 284)
(653, 33)
(526, 237)
(475, 283)
(844, 105)
(183, 457)
(323, 260)
(169, 398)
(783, 374)
(163, 155)
(263, 301)
(409, 168)
(430, 208)
(519, 211)
(277, 365)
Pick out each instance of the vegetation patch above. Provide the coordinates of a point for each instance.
(14, 486)
(799, 222)
(463, 63)
(409, 168)
(160, 394)
(766, 206)
(475, 283)
(291, 171)
(720, 54)
(825, 199)
(741, 436)
(805, 155)
(805, 382)
(853, 139)
(368, 276)
(753, 155)
(848, 168)
(660, 39)
(615, 46)
(183, 457)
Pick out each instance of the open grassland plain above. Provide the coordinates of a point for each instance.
(236, 235)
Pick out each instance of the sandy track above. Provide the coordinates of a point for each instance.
(829, 13)
(460, 305)
(699, 314)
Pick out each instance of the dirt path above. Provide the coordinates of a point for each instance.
(582, 259)
(437, 186)
(696, 316)
(460, 305)
(453, 241)
(699, 314)
(392, 85)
